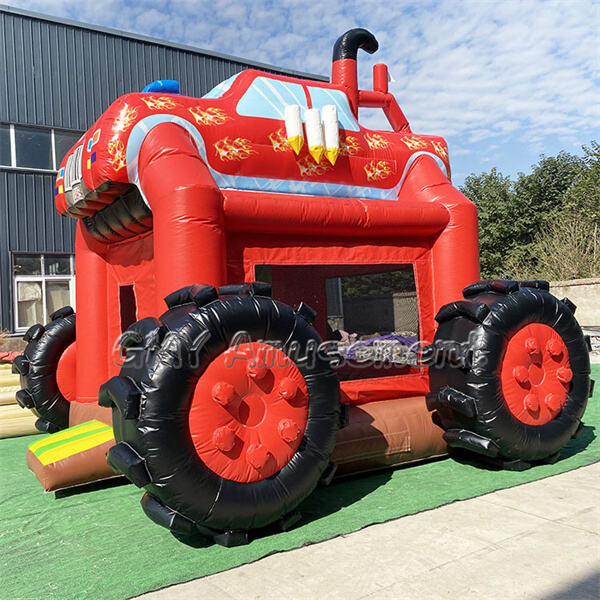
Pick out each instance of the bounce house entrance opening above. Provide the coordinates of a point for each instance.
(369, 314)
(127, 306)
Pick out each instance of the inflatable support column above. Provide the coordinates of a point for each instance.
(189, 237)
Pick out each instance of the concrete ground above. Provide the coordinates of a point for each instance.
(540, 540)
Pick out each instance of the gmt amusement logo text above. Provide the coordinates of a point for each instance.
(135, 351)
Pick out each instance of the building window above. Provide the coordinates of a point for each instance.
(43, 283)
(34, 148)
(63, 142)
(5, 156)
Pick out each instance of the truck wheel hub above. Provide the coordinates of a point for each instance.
(535, 374)
(249, 412)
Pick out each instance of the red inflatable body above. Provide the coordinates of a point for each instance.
(364, 243)
(203, 231)
(226, 194)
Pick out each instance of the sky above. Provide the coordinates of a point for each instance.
(502, 81)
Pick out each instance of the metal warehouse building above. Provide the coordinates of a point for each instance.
(56, 78)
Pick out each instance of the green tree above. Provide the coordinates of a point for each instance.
(583, 198)
(540, 196)
(566, 248)
(493, 195)
(518, 220)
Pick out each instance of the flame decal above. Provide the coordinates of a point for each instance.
(375, 141)
(349, 146)
(440, 149)
(126, 118)
(279, 141)
(309, 168)
(414, 142)
(237, 149)
(159, 102)
(116, 149)
(376, 170)
(209, 116)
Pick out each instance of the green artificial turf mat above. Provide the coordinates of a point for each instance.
(99, 544)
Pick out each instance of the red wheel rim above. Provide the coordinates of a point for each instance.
(249, 412)
(535, 374)
(65, 373)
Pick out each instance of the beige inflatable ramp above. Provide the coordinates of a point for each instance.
(71, 457)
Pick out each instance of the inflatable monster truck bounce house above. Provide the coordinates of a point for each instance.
(323, 310)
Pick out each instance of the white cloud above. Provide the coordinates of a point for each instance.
(468, 70)
(462, 151)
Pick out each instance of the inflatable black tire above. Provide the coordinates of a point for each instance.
(509, 373)
(37, 367)
(152, 397)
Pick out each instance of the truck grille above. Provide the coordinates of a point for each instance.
(73, 169)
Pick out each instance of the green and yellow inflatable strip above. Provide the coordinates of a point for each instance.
(71, 441)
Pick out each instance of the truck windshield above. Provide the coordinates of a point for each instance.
(221, 88)
(321, 96)
(267, 98)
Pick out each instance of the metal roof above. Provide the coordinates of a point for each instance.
(157, 41)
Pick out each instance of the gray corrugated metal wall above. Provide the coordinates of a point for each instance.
(64, 75)
(28, 223)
